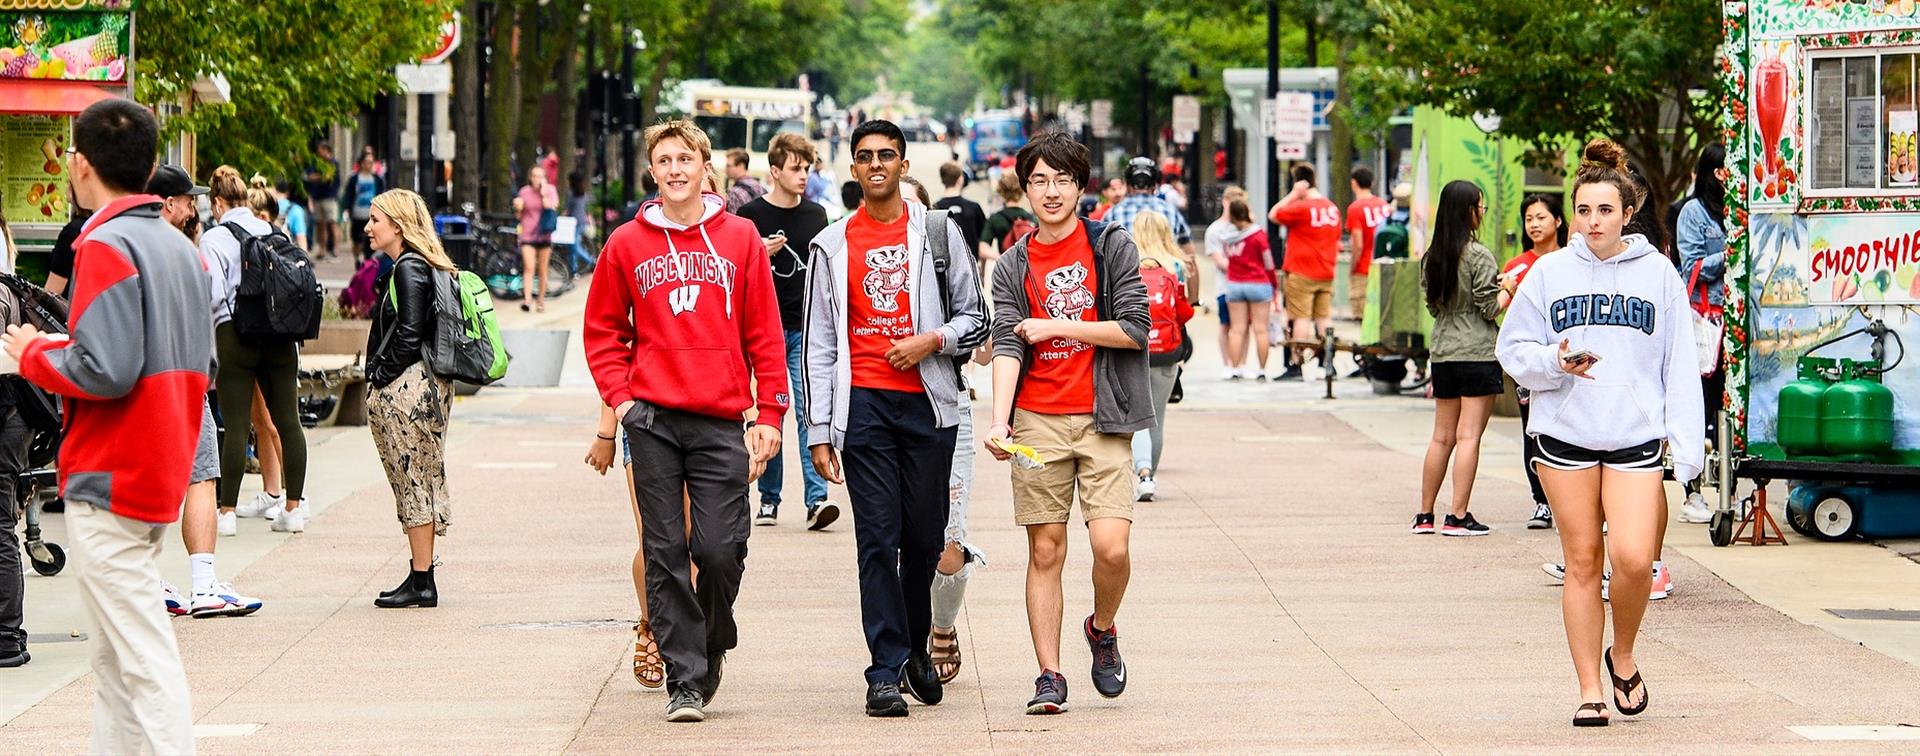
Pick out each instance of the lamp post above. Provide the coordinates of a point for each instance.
(1488, 122)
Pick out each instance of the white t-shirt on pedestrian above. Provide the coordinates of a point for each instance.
(1221, 234)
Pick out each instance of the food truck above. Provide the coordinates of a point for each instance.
(1819, 102)
(56, 58)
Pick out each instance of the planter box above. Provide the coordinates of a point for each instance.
(340, 337)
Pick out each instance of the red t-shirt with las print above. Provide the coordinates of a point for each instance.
(1061, 286)
(879, 309)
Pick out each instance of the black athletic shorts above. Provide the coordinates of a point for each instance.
(1455, 380)
(1561, 455)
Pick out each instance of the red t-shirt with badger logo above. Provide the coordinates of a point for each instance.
(879, 308)
(1061, 285)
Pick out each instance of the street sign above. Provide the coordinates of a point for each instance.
(1290, 152)
(1102, 119)
(1075, 115)
(1293, 117)
(1186, 118)
(433, 78)
(448, 42)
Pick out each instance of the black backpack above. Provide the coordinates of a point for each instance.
(23, 303)
(937, 241)
(279, 298)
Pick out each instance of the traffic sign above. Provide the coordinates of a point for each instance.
(1290, 152)
(1293, 117)
(1186, 118)
(1102, 119)
(448, 42)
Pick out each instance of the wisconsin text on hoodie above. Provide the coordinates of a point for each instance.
(1604, 310)
(685, 267)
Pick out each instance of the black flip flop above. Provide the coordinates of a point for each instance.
(1590, 715)
(1625, 687)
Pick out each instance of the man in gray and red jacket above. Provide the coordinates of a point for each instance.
(135, 366)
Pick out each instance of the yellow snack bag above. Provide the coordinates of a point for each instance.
(1024, 455)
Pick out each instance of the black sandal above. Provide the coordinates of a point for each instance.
(1590, 715)
(1625, 687)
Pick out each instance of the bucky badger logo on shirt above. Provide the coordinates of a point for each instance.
(886, 277)
(1067, 295)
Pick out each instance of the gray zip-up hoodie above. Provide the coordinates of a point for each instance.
(1121, 399)
(828, 368)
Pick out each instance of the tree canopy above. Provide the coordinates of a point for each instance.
(294, 66)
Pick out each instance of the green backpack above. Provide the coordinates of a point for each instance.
(466, 344)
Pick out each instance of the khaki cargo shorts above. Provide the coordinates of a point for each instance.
(1308, 299)
(1077, 457)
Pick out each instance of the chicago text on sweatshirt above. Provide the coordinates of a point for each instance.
(685, 317)
(1630, 311)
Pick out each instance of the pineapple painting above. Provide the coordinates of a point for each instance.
(70, 46)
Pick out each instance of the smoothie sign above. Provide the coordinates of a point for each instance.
(1869, 258)
(87, 46)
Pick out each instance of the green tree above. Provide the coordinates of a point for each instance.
(1558, 71)
(294, 67)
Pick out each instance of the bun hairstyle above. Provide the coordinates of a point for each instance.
(1604, 162)
(261, 200)
(228, 187)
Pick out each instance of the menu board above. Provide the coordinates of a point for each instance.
(33, 168)
(1862, 154)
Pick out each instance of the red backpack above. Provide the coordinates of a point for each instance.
(1167, 304)
(1016, 231)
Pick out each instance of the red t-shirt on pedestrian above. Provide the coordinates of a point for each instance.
(1522, 262)
(1363, 218)
(1061, 286)
(1248, 260)
(1313, 237)
(879, 309)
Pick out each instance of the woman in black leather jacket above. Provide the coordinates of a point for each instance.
(407, 405)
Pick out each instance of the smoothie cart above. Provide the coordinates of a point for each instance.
(56, 58)
(1821, 112)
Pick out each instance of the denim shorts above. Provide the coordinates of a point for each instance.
(1249, 292)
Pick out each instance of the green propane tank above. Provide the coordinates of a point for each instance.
(1857, 414)
(1799, 426)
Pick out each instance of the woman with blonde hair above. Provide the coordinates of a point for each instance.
(407, 405)
(1167, 347)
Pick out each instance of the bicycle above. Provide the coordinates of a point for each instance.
(496, 258)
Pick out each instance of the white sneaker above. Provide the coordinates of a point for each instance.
(223, 601)
(291, 521)
(1695, 510)
(229, 523)
(1145, 489)
(263, 504)
(169, 595)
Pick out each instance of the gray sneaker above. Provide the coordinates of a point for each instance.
(685, 705)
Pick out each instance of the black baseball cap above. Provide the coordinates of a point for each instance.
(171, 181)
(1141, 172)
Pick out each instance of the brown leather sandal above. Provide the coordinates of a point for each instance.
(1590, 715)
(648, 668)
(944, 652)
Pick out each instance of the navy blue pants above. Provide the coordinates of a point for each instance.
(896, 462)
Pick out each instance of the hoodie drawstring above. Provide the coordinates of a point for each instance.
(675, 252)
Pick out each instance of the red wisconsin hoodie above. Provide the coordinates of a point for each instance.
(682, 316)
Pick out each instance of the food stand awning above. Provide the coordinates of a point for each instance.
(50, 97)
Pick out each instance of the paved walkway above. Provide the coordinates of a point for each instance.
(1277, 603)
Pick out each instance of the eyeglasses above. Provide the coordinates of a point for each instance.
(1063, 183)
(73, 150)
(868, 156)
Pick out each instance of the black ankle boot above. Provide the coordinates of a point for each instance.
(418, 590)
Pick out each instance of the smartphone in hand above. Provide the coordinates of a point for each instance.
(1580, 357)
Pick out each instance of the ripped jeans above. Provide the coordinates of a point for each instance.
(950, 591)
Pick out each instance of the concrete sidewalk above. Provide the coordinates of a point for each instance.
(1277, 603)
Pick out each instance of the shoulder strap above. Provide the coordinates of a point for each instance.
(937, 243)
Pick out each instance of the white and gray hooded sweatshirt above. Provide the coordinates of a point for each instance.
(1631, 312)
